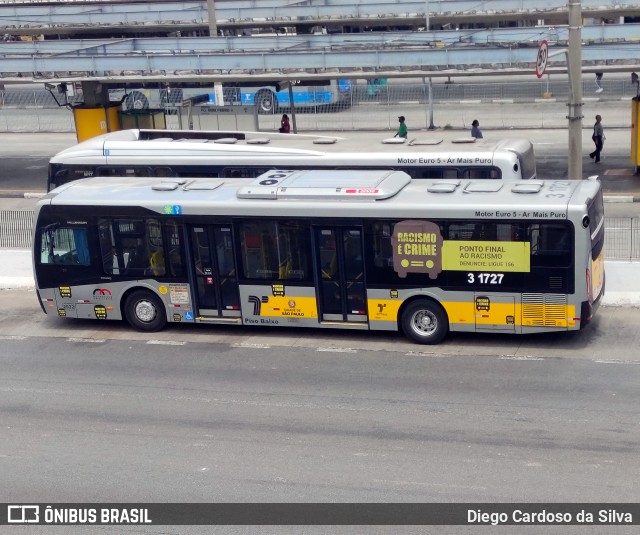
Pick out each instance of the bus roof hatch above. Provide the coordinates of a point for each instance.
(326, 184)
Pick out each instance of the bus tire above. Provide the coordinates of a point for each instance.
(266, 102)
(145, 311)
(424, 321)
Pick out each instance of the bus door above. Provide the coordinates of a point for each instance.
(215, 271)
(494, 312)
(340, 267)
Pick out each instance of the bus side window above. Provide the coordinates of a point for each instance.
(163, 172)
(433, 172)
(461, 231)
(64, 246)
(275, 250)
(483, 173)
(550, 244)
(133, 171)
(174, 243)
(243, 172)
(382, 248)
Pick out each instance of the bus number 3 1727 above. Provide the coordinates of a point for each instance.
(485, 278)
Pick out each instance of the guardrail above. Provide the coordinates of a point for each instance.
(622, 234)
(16, 229)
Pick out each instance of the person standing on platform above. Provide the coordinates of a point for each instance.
(475, 129)
(598, 139)
(402, 129)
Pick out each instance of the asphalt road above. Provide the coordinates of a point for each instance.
(107, 419)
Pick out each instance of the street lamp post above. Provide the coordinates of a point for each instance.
(574, 68)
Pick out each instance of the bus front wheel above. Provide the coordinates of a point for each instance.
(266, 102)
(144, 311)
(425, 322)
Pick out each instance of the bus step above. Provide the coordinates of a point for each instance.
(216, 319)
(346, 323)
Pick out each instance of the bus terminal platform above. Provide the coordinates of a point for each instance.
(620, 183)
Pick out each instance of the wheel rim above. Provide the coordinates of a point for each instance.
(145, 311)
(424, 323)
(266, 103)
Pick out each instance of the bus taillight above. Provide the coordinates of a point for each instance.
(589, 289)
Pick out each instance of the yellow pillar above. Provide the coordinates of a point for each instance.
(91, 122)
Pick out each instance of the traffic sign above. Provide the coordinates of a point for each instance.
(541, 62)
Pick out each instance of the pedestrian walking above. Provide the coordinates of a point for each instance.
(402, 129)
(285, 126)
(475, 129)
(598, 139)
(599, 88)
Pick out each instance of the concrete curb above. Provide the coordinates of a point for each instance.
(621, 198)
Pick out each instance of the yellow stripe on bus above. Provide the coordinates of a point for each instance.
(542, 315)
(286, 307)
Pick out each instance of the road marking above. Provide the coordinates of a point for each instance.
(251, 346)
(13, 337)
(337, 349)
(426, 484)
(165, 343)
(423, 354)
(524, 357)
(86, 340)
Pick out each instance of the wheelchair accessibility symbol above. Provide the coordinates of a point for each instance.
(188, 316)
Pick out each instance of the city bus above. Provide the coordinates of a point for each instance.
(268, 97)
(364, 250)
(188, 153)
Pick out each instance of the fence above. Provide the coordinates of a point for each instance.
(16, 229)
(622, 234)
(622, 238)
(500, 104)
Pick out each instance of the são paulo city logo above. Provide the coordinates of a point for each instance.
(102, 294)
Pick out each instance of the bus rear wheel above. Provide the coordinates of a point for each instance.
(266, 101)
(144, 311)
(425, 322)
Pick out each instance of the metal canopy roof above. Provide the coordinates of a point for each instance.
(68, 17)
(607, 47)
(192, 60)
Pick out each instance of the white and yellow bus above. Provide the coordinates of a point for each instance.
(364, 250)
(188, 154)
